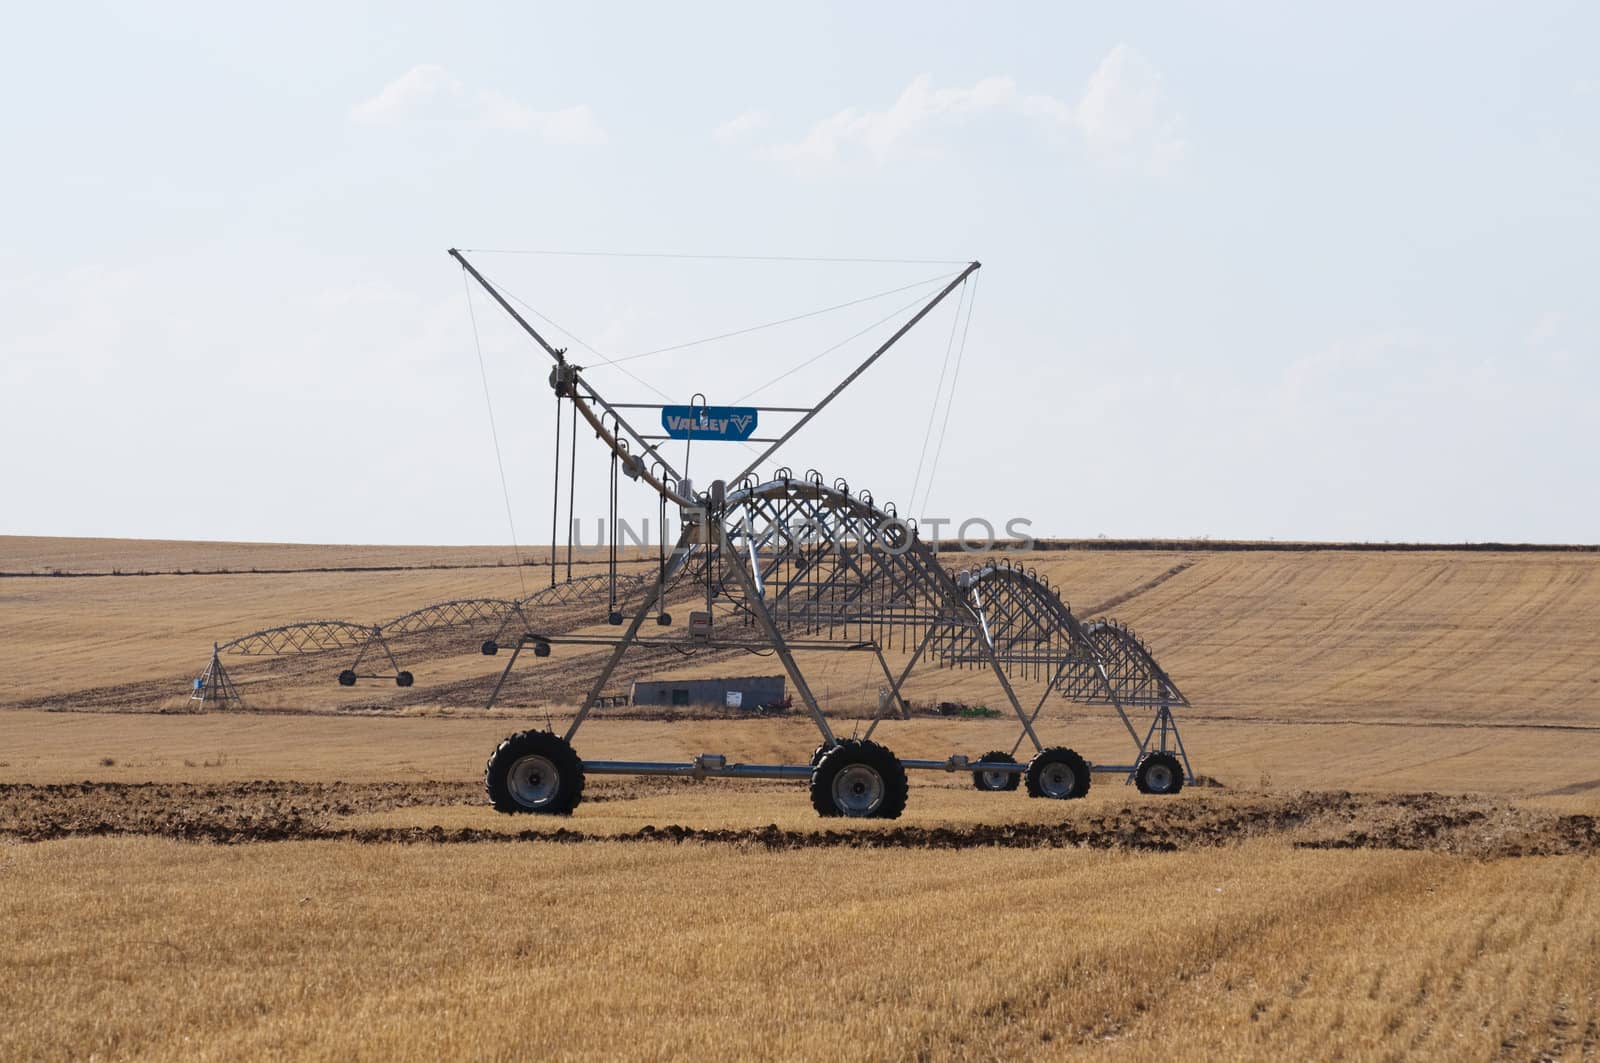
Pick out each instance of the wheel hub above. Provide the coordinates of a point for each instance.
(858, 790)
(533, 781)
(1057, 780)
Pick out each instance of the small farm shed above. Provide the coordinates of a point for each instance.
(752, 691)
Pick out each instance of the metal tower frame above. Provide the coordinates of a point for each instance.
(812, 566)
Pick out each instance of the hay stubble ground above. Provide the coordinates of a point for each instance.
(1401, 861)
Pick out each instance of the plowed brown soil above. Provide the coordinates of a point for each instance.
(282, 811)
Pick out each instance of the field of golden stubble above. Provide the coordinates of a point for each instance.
(161, 949)
(1401, 860)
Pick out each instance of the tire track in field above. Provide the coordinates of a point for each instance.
(1100, 608)
(1318, 656)
(1225, 630)
(1416, 663)
(1015, 1023)
(1373, 622)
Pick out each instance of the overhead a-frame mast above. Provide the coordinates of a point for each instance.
(567, 379)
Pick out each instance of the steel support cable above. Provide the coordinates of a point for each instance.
(954, 380)
(616, 362)
(785, 321)
(818, 357)
(579, 340)
(609, 361)
(714, 258)
(494, 433)
(933, 410)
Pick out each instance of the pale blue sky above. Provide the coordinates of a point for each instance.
(1250, 270)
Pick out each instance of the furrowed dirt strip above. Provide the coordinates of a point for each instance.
(271, 811)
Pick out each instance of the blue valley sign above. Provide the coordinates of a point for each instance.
(726, 423)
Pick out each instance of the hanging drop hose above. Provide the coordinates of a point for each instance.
(688, 441)
(555, 492)
(661, 555)
(572, 485)
(613, 535)
(697, 401)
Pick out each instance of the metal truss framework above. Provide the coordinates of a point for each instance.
(798, 564)
(306, 636)
(797, 558)
(1094, 662)
(215, 685)
(322, 636)
(810, 563)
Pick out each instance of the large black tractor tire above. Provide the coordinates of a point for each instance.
(997, 781)
(534, 772)
(1057, 773)
(1159, 773)
(347, 678)
(404, 679)
(859, 779)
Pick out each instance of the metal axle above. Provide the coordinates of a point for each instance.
(709, 765)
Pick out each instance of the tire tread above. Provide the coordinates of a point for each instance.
(546, 744)
(854, 751)
(1079, 766)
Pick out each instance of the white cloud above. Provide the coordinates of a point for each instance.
(882, 133)
(741, 126)
(417, 89)
(570, 125)
(430, 93)
(1123, 117)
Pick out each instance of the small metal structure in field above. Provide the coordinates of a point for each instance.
(792, 565)
(310, 637)
(377, 641)
(215, 685)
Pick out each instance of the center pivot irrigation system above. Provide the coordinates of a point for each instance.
(795, 564)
